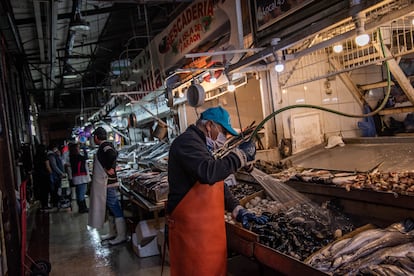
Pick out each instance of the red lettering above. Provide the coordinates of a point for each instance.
(179, 25)
(158, 78)
(200, 8)
(188, 15)
(194, 12)
(210, 8)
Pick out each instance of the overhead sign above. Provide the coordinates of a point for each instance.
(200, 23)
(270, 11)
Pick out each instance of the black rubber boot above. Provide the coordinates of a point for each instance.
(82, 207)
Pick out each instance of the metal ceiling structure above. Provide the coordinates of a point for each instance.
(52, 45)
(121, 29)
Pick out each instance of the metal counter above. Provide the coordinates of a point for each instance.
(360, 154)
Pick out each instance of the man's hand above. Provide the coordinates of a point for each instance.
(249, 149)
(246, 217)
(249, 167)
(111, 171)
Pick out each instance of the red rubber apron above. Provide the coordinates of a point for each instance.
(197, 235)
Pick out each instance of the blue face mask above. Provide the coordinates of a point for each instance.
(213, 145)
(221, 140)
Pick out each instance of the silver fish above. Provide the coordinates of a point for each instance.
(326, 252)
(404, 262)
(385, 270)
(359, 240)
(376, 257)
(390, 239)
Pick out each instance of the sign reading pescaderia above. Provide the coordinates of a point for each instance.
(201, 22)
(188, 28)
(270, 11)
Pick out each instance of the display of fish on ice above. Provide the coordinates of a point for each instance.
(370, 250)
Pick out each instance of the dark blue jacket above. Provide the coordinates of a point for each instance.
(190, 161)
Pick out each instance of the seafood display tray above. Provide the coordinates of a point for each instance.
(381, 208)
(348, 235)
(247, 243)
(156, 196)
(241, 240)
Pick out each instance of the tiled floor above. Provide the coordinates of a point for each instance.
(72, 249)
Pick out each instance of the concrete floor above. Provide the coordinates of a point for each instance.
(64, 239)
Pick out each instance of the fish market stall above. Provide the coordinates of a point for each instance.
(379, 193)
(371, 251)
(143, 176)
(147, 173)
(371, 179)
(150, 184)
(247, 243)
(296, 228)
(142, 202)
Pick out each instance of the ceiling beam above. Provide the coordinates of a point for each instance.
(32, 20)
(347, 81)
(397, 72)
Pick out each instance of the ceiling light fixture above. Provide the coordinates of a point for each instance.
(338, 48)
(362, 37)
(230, 86)
(279, 66)
(128, 82)
(213, 79)
(78, 23)
(69, 72)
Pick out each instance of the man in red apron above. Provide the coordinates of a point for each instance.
(198, 197)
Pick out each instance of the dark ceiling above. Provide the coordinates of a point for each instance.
(121, 29)
(117, 30)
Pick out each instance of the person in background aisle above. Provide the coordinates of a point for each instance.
(57, 174)
(80, 174)
(65, 160)
(198, 197)
(41, 177)
(104, 191)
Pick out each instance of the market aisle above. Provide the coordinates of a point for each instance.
(73, 249)
(76, 250)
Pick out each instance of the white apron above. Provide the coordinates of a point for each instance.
(97, 203)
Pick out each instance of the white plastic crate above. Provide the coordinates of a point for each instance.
(147, 229)
(147, 250)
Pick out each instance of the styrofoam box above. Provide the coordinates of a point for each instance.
(147, 229)
(149, 249)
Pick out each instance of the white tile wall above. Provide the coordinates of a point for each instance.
(340, 99)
